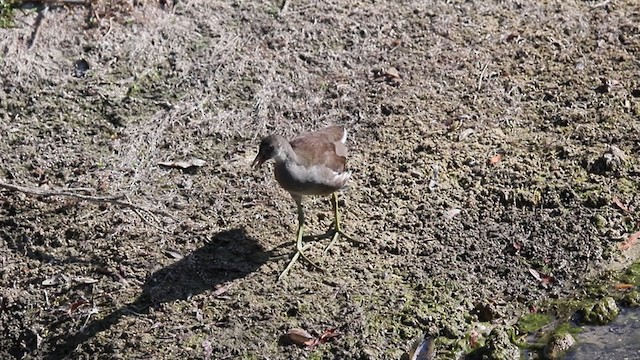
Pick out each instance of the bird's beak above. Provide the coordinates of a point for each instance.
(258, 161)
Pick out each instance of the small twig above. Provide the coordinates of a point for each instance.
(143, 218)
(83, 189)
(114, 200)
(36, 26)
(283, 7)
(600, 4)
(64, 192)
(71, 2)
(93, 311)
(484, 69)
(110, 27)
(61, 2)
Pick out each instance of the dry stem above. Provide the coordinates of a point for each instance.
(115, 200)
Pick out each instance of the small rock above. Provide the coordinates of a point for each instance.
(500, 347)
(631, 299)
(612, 160)
(558, 345)
(599, 221)
(369, 353)
(80, 68)
(601, 312)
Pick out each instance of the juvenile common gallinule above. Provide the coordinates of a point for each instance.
(311, 164)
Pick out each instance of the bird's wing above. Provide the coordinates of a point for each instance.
(322, 148)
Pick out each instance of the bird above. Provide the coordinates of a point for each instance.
(312, 164)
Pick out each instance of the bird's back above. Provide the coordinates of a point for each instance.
(324, 147)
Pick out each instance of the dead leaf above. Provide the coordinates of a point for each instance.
(174, 254)
(393, 72)
(465, 134)
(422, 349)
(451, 213)
(301, 337)
(542, 278)
(535, 274)
(390, 75)
(620, 205)
(547, 279)
(220, 289)
(55, 280)
(473, 339)
(631, 240)
(185, 164)
(85, 280)
(74, 306)
(328, 334)
(495, 160)
(312, 342)
(50, 281)
(623, 286)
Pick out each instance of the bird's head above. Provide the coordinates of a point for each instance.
(270, 147)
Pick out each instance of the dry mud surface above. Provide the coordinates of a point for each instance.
(488, 157)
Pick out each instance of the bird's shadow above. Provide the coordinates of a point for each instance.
(228, 255)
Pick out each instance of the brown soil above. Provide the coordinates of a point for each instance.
(490, 156)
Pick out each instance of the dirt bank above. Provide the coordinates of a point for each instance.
(486, 161)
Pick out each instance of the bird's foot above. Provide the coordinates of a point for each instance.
(299, 253)
(337, 232)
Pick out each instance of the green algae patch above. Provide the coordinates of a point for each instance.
(533, 322)
(631, 299)
(564, 308)
(567, 327)
(632, 275)
(498, 345)
(600, 312)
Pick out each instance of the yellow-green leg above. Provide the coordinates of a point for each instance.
(338, 227)
(299, 247)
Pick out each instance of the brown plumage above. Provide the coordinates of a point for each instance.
(311, 164)
(325, 146)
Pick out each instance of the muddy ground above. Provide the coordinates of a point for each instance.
(489, 156)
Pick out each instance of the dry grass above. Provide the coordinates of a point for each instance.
(207, 79)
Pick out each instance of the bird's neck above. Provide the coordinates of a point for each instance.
(286, 154)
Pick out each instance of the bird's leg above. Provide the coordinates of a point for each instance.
(338, 228)
(299, 247)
